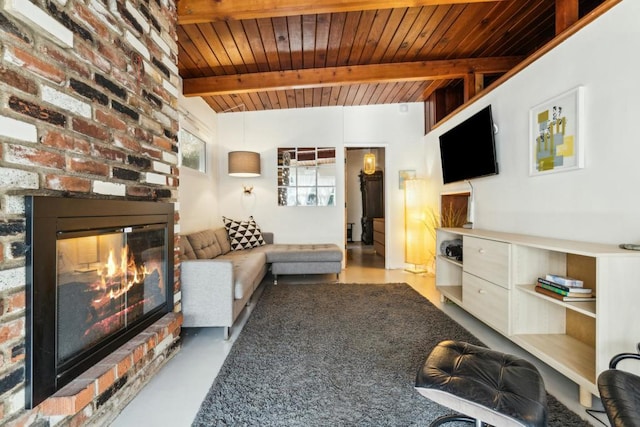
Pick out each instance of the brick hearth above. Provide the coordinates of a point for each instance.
(88, 109)
(95, 392)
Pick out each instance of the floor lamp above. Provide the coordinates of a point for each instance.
(416, 230)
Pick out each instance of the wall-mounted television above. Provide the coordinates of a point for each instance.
(468, 150)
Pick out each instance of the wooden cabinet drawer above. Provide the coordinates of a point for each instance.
(487, 259)
(486, 301)
(378, 236)
(379, 248)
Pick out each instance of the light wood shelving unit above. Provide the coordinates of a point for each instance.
(495, 282)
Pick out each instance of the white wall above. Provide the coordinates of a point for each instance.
(197, 192)
(382, 125)
(598, 203)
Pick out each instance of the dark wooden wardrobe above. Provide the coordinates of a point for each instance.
(372, 188)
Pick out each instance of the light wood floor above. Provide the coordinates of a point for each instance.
(176, 392)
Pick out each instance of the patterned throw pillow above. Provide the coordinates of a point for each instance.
(243, 234)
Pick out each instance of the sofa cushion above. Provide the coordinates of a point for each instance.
(248, 267)
(223, 239)
(186, 251)
(204, 244)
(243, 234)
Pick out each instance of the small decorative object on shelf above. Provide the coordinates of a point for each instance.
(452, 249)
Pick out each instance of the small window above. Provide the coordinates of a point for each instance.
(192, 151)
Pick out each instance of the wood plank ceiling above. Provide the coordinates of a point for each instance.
(274, 54)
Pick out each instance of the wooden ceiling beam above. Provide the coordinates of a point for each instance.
(431, 88)
(469, 84)
(357, 74)
(567, 14)
(200, 11)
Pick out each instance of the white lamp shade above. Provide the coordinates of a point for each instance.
(416, 249)
(244, 163)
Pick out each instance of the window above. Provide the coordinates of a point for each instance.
(192, 151)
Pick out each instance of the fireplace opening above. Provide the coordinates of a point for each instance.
(109, 279)
(98, 273)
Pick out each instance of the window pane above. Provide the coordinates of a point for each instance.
(192, 151)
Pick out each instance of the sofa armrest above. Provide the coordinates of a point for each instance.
(207, 292)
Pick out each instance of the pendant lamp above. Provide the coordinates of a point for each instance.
(243, 164)
(369, 163)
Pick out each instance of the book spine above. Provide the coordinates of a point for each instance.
(553, 289)
(549, 293)
(572, 291)
(550, 283)
(568, 298)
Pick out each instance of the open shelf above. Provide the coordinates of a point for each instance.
(449, 272)
(452, 293)
(588, 308)
(573, 358)
(451, 260)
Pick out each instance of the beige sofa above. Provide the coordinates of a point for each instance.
(217, 282)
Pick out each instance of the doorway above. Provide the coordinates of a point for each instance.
(365, 208)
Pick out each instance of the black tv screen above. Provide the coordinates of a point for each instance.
(468, 150)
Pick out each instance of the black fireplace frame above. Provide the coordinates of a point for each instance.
(45, 218)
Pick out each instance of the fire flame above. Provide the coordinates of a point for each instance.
(111, 265)
(117, 280)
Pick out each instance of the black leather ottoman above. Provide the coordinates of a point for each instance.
(484, 385)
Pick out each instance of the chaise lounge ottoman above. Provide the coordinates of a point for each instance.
(304, 259)
(486, 387)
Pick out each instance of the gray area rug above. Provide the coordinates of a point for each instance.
(335, 355)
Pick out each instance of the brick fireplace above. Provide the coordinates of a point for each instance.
(97, 275)
(88, 110)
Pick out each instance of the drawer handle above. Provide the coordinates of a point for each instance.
(481, 250)
(482, 291)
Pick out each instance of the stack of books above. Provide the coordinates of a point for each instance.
(564, 288)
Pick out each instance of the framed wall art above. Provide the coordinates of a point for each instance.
(404, 175)
(555, 134)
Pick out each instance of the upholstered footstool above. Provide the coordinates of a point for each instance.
(483, 385)
(304, 259)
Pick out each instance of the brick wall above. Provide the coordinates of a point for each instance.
(88, 108)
